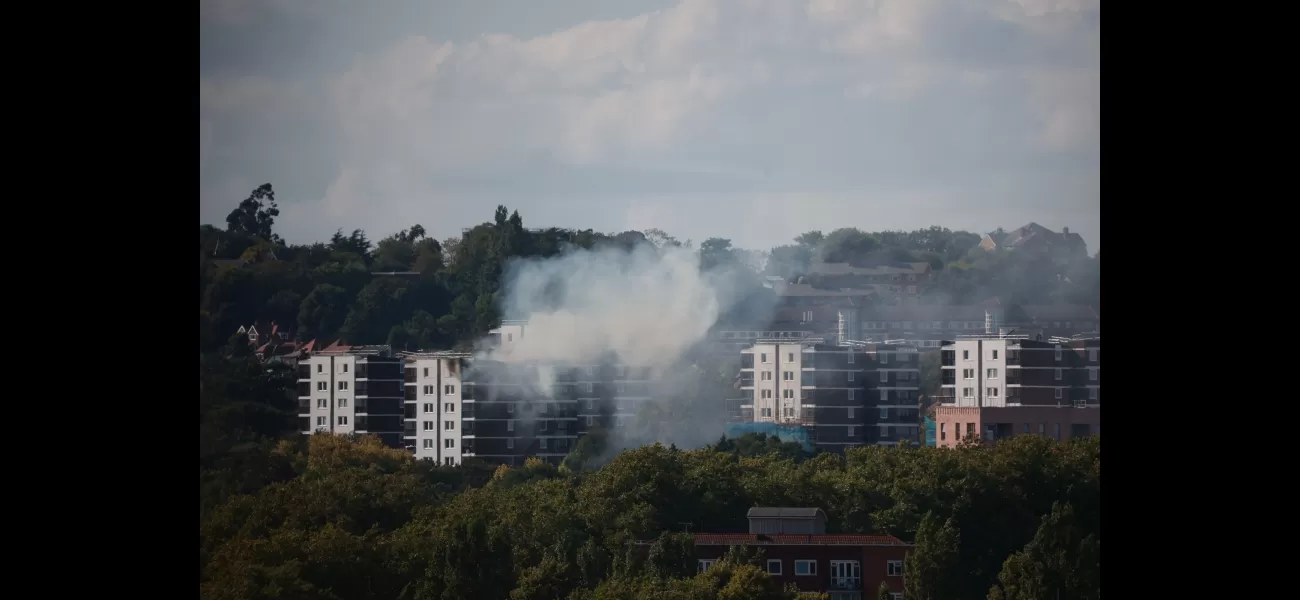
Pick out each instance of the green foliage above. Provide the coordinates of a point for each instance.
(350, 518)
(255, 215)
(760, 444)
(449, 292)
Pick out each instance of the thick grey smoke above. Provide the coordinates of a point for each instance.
(643, 308)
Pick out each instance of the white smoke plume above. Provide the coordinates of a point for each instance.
(640, 308)
(643, 308)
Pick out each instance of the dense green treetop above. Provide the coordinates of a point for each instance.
(450, 290)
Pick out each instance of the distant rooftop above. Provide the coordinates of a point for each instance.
(761, 512)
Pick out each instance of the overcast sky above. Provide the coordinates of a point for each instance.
(753, 120)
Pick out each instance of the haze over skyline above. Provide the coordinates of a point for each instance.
(753, 120)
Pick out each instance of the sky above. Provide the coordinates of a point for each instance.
(752, 120)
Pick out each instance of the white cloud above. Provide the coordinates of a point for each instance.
(826, 98)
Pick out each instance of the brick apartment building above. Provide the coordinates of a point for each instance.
(845, 395)
(796, 549)
(997, 386)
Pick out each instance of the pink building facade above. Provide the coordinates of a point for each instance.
(953, 424)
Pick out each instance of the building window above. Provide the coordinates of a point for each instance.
(426, 371)
(320, 368)
(1092, 354)
(896, 596)
(510, 425)
(343, 420)
(704, 564)
(343, 402)
(766, 412)
(449, 407)
(965, 354)
(322, 386)
(970, 430)
(428, 425)
(851, 431)
(846, 574)
(428, 444)
(767, 394)
(968, 373)
(805, 567)
(510, 443)
(1042, 428)
(1092, 374)
(788, 394)
(787, 375)
(884, 413)
(789, 412)
(1058, 374)
(591, 420)
(1059, 393)
(850, 357)
(1025, 428)
(850, 395)
(1056, 431)
(766, 376)
(943, 431)
(995, 355)
(807, 315)
(345, 367)
(991, 392)
(320, 421)
(322, 403)
(774, 566)
(448, 425)
(894, 568)
(449, 443)
(991, 374)
(1058, 352)
(1092, 393)
(449, 389)
(343, 385)
(850, 412)
(967, 392)
(789, 357)
(850, 376)
(541, 443)
(762, 357)
(428, 390)
(449, 461)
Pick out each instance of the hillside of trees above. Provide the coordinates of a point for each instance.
(286, 516)
(327, 290)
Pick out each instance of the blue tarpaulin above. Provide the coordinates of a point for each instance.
(785, 433)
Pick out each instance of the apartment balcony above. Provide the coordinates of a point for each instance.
(845, 583)
(409, 376)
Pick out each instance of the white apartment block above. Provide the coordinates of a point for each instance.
(845, 395)
(434, 411)
(347, 390)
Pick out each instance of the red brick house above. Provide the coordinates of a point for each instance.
(796, 549)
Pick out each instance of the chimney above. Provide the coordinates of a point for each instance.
(1065, 230)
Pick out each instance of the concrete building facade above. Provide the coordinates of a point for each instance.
(846, 395)
(997, 386)
(351, 389)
